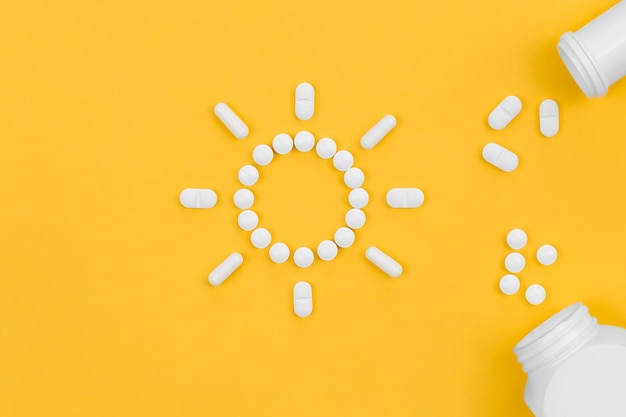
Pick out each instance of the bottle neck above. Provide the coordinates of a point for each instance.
(556, 338)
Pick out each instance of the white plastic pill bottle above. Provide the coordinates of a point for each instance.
(595, 55)
(576, 367)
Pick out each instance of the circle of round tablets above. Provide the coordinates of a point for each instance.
(243, 199)
(282, 144)
(326, 148)
(344, 237)
(358, 198)
(546, 255)
(303, 257)
(279, 252)
(343, 160)
(515, 262)
(516, 239)
(354, 178)
(509, 284)
(263, 155)
(261, 238)
(327, 250)
(355, 218)
(535, 294)
(248, 220)
(248, 175)
(304, 141)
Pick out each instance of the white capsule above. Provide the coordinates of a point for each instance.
(225, 269)
(302, 299)
(354, 178)
(243, 199)
(378, 132)
(535, 294)
(262, 155)
(515, 262)
(261, 238)
(509, 284)
(549, 118)
(282, 144)
(327, 250)
(405, 197)
(248, 175)
(279, 252)
(326, 148)
(546, 255)
(304, 141)
(516, 239)
(506, 111)
(358, 198)
(198, 198)
(231, 120)
(343, 160)
(303, 257)
(500, 157)
(248, 220)
(387, 264)
(305, 101)
(344, 237)
(355, 218)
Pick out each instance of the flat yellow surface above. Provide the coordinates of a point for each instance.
(106, 115)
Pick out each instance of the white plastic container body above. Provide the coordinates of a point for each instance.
(576, 368)
(595, 55)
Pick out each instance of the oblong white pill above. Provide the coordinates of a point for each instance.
(243, 199)
(515, 262)
(509, 284)
(248, 220)
(303, 257)
(262, 154)
(358, 198)
(327, 250)
(261, 238)
(304, 141)
(282, 143)
(549, 118)
(344, 237)
(302, 299)
(326, 148)
(355, 218)
(506, 111)
(236, 126)
(378, 132)
(354, 178)
(225, 269)
(305, 101)
(248, 175)
(279, 252)
(516, 239)
(546, 255)
(500, 157)
(535, 294)
(383, 261)
(343, 160)
(198, 198)
(405, 198)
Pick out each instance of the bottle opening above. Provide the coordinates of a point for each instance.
(581, 66)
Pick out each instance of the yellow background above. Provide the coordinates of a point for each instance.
(106, 115)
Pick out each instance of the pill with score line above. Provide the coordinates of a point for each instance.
(378, 132)
(383, 261)
(549, 118)
(236, 126)
(305, 101)
(500, 157)
(302, 299)
(225, 269)
(405, 198)
(198, 198)
(505, 112)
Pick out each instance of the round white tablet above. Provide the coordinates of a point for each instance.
(354, 178)
(262, 155)
(344, 237)
(358, 198)
(355, 218)
(515, 262)
(327, 250)
(546, 254)
(516, 239)
(279, 252)
(248, 175)
(248, 220)
(304, 141)
(261, 238)
(535, 294)
(303, 257)
(282, 144)
(326, 148)
(244, 198)
(509, 284)
(343, 160)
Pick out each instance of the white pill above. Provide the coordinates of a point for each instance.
(546, 255)
(279, 252)
(248, 220)
(261, 238)
(225, 269)
(500, 157)
(305, 101)
(378, 132)
(236, 126)
(514, 262)
(387, 264)
(354, 178)
(304, 141)
(549, 118)
(535, 294)
(248, 175)
(344, 237)
(198, 198)
(303, 257)
(327, 250)
(343, 160)
(263, 154)
(326, 148)
(506, 111)
(244, 198)
(516, 239)
(302, 299)
(358, 198)
(509, 284)
(355, 218)
(405, 197)
(282, 144)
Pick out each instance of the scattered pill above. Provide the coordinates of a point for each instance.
(506, 111)
(354, 178)
(236, 126)
(509, 284)
(514, 262)
(387, 264)
(225, 269)
(326, 148)
(546, 255)
(358, 198)
(549, 118)
(535, 294)
(305, 101)
(198, 198)
(263, 154)
(304, 141)
(405, 197)
(343, 160)
(355, 218)
(282, 144)
(516, 239)
(344, 237)
(248, 175)
(378, 132)
(279, 252)
(500, 157)
(302, 299)
(327, 250)
(261, 238)
(244, 198)
(303, 257)
(248, 220)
